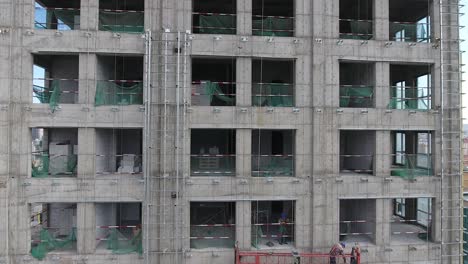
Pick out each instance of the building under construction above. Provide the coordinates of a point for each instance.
(229, 131)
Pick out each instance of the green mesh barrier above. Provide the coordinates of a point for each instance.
(256, 235)
(40, 166)
(125, 22)
(217, 24)
(213, 90)
(410, 100)
(109, 93)
(272, 166)
(409, 170)
(270, 26)
(48, 95)
(56, 19)
(358, 96)
(273, 94)
(359, 30)
(49, 243)
(120, 244)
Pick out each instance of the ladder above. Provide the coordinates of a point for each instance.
(451, 206)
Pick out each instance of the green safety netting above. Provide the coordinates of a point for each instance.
(257, 233)
(270, 26)
(410, 169)
(110, 93)
(217, 24)
(273, 94)
(120, 244)
(359, 30)
(48, 95)
(275, 166)
(213, 90)
(128, 22)
(410, 99)
(212, 237)
(51, 18)
(49, 243)
(410, 31)
(41, 165)
(356, 96)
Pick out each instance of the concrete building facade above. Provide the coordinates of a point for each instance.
(179, 130)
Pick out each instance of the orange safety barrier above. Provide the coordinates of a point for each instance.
(256, 257)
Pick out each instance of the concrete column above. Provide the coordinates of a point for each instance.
(244, 17)
(303, 18)
(302, 219)
(302, 80)
(243, 152)
(382, 85)
(243, 82)
(89, 14)
(325, 16)
(243, 225)
(19, 238)
(87, 78)
(383, 151)
(381, 17)
(86, 153)
(382, 221)
(86, 228)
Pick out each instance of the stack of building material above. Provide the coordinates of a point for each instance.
(130, 163)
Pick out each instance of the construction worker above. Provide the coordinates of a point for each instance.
(337, 250)
(282, 229)
(355, 253)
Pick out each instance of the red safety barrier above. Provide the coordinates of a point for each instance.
(256, 257)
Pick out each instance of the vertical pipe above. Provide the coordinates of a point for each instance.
(163, 206)
(177, 149)
(184, 110)
(442, 174)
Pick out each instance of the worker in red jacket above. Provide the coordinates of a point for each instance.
(337, 250)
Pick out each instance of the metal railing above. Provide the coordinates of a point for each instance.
(56, 18)
(119, 92)
(273, 94)
(356, 29)
(280, 26)
(410, 32)
(214, 23)
(55, 91)
(122, 21)
(207, 93)
(213, 165)
(356, 96)
(410, 97)
(272, 165)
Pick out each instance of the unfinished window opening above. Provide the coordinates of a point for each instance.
(56, 14)
(411, 220)
(122, 16)
(272, 153)
(118, 151)
(356, 19)
(213, 82)
(273, 224)
(53, 228)
(118, 228)
(212, 225)
(357, 150)
(357, 84)
(273, 82)
(412, 154)
(119, 80)
(410, 21)
(411, 87)
(213, 152)
(214, 17)
(273, 18)
(55, 79)
(54, 152)
(357, 220)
